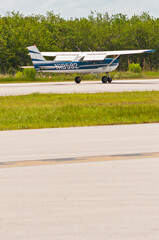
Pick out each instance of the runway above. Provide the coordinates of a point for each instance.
(57, 143)
(83, 87)
(80, 183)
(45, 162)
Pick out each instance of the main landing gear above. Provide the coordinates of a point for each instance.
(106, 79)
(77, 79)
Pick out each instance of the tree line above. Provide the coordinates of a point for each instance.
(97, 32)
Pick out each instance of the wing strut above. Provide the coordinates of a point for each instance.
(112, 61)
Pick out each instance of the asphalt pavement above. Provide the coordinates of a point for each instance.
(83, 87)
(80, 183)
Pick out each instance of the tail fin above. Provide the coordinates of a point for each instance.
(35, 55)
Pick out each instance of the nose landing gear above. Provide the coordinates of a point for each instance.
(77, 79)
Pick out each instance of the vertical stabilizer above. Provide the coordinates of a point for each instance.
(35, 55)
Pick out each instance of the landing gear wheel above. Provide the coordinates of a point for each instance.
(77, 79)
(104, 79)
(109, 79)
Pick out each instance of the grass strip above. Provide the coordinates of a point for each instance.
(56, 77)
(70, 110)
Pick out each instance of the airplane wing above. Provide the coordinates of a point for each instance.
(127, 52)
(63, 56)
(91, 56)
(102, 55)
(54, 54)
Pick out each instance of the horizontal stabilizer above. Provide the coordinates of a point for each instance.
(26, 67)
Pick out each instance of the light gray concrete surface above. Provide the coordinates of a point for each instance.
(78, 142)
(83, 87)
(115, 200)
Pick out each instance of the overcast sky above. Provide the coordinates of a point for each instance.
(80, 8)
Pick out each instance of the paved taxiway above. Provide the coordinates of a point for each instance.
(83, 87)
(113, 198)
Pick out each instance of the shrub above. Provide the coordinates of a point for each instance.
(29, 73)
(19, 75)
(135, 67)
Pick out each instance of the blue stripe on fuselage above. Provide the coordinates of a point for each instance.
(51, 65)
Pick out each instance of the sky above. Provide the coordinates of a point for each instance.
(80, 8)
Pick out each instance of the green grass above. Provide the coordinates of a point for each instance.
(70, 77)
(67, 110)
(151, 74)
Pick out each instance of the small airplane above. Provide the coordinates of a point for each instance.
(93, 62)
